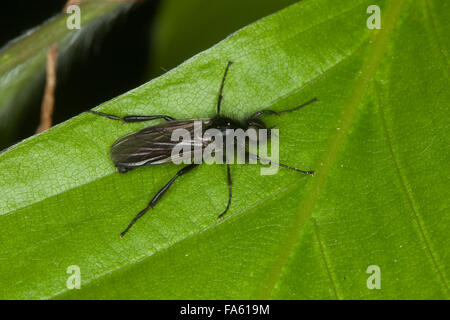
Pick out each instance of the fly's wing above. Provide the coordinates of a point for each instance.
(153, 145)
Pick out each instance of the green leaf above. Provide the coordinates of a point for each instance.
(378, 140)
(22, 61)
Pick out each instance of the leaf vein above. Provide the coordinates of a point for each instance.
(307, 206)
(324, 258)
(407, 192)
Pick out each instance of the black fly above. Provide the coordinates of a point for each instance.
(153, 145)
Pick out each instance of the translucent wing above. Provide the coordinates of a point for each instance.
(153, 145)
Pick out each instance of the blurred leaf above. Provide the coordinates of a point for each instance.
(184, 28)
(22, 62)
(378, 140)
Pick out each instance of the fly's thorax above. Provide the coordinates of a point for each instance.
(223, 123)
(235, 132)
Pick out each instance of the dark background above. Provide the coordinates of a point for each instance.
(125, 54)
(89, 79)
(20, 15)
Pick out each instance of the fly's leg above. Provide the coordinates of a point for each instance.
(129, 119)
(267, 161)
(219, 99)
(258, 114)
(158, 196)
(229, 192)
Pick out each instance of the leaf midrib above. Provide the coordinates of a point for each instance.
(442, 52)
(330, 155)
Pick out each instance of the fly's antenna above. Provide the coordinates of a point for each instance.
(219, 101)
